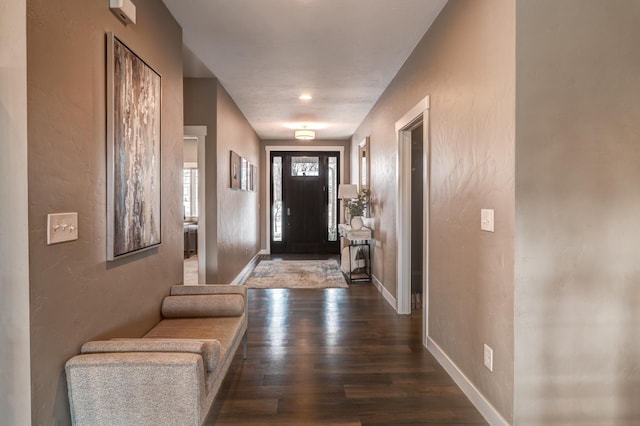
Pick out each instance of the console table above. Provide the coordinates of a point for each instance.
(355, 253)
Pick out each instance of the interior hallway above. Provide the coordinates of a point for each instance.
(336, 357)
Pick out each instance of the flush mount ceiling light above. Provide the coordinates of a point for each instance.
(306, 125)
(305, 97)
(305, 134)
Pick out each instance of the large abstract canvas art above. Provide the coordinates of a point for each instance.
(133, 152)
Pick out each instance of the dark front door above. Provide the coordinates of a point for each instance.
(304, 202)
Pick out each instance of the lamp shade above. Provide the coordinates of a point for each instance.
(305, 134)
(347, 191)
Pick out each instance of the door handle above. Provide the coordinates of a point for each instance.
(288, 211)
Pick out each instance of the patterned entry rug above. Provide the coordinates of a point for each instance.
(296, 274)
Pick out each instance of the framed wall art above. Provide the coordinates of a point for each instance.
(244, 174)
(133, 152)
(253, 182)
(234, 171)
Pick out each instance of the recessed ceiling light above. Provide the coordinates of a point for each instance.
(305, 97)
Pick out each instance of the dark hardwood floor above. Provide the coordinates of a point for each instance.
(336, 357)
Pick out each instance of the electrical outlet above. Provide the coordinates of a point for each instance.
(488, 357)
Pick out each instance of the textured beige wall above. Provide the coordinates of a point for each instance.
(577, 207)
(292, 145)
(75, 294)
(466, 64)
(200, 109)
(238, 224)
(15, 387)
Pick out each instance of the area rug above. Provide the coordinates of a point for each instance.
(296, 274)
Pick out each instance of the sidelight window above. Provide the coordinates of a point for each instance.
(332, 208)
(276, 207)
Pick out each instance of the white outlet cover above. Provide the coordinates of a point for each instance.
(486, 220)
(62, 227)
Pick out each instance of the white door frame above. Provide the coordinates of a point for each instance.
(200, 133)
(267, 175)
(417, 115)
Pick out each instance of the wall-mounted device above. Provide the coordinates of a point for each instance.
(125, 10)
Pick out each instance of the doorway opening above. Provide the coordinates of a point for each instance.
(417, 213)
(304, 204)
(413, 211)
(194, 206)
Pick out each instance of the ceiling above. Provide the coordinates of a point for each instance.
(266, 53)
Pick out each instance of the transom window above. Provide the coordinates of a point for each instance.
(305, 166)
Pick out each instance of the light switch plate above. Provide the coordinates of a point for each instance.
(488, 357)
(62, 227)
(486, 220)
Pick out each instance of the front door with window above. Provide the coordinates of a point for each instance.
(304, 202)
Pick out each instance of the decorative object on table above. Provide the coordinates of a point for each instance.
(296, 274)
(357, 208)
(133, 152)
(346, 192)
(234, 169)
(356, 222)
(360, 262)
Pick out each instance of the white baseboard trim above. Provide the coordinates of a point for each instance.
(487, 410)
(239, 279)
(385, 293)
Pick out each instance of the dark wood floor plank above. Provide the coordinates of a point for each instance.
(336, 357)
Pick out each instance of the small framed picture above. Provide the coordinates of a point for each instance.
(234, 169)
(244, 174)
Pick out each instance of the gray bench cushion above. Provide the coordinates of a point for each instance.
(201, 306)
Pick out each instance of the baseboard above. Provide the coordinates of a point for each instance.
(385, 293)
(487, 410)
(239, 279)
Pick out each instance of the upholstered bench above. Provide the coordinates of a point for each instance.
(171, 375)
